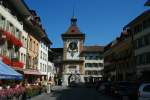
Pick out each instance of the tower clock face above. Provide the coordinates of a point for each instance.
(73, 46)
(73, 49)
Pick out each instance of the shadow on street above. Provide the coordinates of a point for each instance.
(78, 93)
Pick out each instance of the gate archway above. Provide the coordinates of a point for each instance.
(74, 78)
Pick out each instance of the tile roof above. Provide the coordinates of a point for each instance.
(93, 48)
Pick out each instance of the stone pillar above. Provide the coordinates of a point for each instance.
(65, 80)
(82, 78)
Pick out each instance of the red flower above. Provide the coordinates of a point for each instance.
(17, 64)
(10, 37)
(6, 60)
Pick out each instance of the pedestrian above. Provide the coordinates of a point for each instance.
(49, 84)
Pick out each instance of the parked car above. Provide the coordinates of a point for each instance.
(125, 90)
(73, 84)
(98, 83)
(104, 87)
(144, 92)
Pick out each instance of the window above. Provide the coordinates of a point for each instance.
(85, 57)
(94, 64)
(146, 23)
(41, 55)
(2, 22)
(40, 66)
(43, 68)
(146, 88)
(7, 26)
(13, 30)
(85, 64)
(148, 58)
(30, 43)
(33, 47)
(91, 57)
(100, 64)
(86, 72)
(97, 57)
(137, 60)
(137, 28)
(99, 72)
(25, 42)
(17, 34)
(24, 58)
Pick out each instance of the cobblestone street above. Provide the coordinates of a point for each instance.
(65, 93)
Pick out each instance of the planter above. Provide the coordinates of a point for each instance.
(12, 39)
(6, 60)
(17, 64)
(33, 91)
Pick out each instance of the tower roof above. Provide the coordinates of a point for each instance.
(73, 30)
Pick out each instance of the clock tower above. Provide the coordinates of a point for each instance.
(73, 64)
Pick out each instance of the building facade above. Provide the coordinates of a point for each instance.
(93, 63)
(119, 59)
(140, 29)
(56, 56)
(43, 63)
(10, 33)
(21, 33)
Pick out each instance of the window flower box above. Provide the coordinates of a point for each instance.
(17, 64)
(6, 60)
(12, 39)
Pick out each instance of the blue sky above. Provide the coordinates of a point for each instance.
(101, 20)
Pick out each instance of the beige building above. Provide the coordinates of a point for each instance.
(33, 51)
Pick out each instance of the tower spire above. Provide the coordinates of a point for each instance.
(73, 19)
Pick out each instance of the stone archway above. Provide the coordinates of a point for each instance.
(74, 78)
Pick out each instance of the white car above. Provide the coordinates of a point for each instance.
(144, 92)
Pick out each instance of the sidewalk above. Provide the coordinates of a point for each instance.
(46, 96)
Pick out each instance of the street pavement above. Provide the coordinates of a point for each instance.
(76, 93)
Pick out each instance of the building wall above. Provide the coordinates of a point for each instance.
(141, 31)
(94, 64)
(119, 63)
(43, 58)
(10, 18)
(11, 24)
(33, 51)
(51, 71)
(23, 49)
